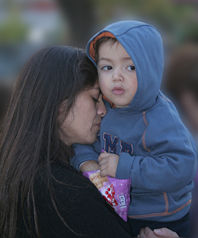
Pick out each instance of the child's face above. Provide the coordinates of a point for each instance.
(117, 75)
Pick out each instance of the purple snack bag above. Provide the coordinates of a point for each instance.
(115, 191)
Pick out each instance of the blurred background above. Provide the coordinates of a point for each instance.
(27, 25)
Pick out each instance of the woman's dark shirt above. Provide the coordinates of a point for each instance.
(79, 203)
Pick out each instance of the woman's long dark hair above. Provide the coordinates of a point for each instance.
(30, 139)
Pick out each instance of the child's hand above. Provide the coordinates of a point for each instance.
(89, 166)
(108, 164)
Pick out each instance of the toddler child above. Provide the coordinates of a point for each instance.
(142, 134)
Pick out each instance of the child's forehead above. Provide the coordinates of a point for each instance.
(110, 47)
(109, 44)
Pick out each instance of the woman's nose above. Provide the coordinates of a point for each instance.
(101, 109)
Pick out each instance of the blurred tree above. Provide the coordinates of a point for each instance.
(178, 20)
(81, 18)
(13, 31)
(84, 17)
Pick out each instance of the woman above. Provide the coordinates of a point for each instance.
(56, 102)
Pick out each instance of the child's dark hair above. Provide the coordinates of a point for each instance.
(99, 42)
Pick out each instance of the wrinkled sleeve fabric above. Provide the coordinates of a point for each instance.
(168, 160)
(84, 153)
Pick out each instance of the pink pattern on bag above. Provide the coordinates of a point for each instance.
(115, 191)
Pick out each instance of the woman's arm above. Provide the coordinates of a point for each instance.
(80, 209)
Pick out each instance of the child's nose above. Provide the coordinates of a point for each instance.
(117, 74)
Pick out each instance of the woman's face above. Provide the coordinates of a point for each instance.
(83, 120)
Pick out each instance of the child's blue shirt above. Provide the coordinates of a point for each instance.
(156, 150)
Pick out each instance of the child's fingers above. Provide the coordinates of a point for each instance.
(102, 156)
(103, 172)
(103, 162)
(103, 167)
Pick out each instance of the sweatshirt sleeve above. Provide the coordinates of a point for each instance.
(84, 153)
(168, 160)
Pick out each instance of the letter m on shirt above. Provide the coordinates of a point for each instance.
(110, 143)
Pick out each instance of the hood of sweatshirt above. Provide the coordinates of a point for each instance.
(144, 45)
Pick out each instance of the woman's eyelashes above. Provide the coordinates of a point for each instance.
(96, 100)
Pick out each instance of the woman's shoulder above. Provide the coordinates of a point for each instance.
(64, 180)
(79, 203)
(69, 175)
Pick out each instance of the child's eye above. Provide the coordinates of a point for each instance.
(131, 67)
(106, 67)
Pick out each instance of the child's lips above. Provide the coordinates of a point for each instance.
(118, 90)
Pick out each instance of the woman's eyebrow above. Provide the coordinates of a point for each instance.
(96, 88)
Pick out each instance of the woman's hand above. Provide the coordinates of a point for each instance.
(157, 233)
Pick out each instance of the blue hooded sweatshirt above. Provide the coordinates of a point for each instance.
(155, 149)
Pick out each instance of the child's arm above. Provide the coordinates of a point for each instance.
(85, 158)
(162, 172)
(151, 170)
(168, 163)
